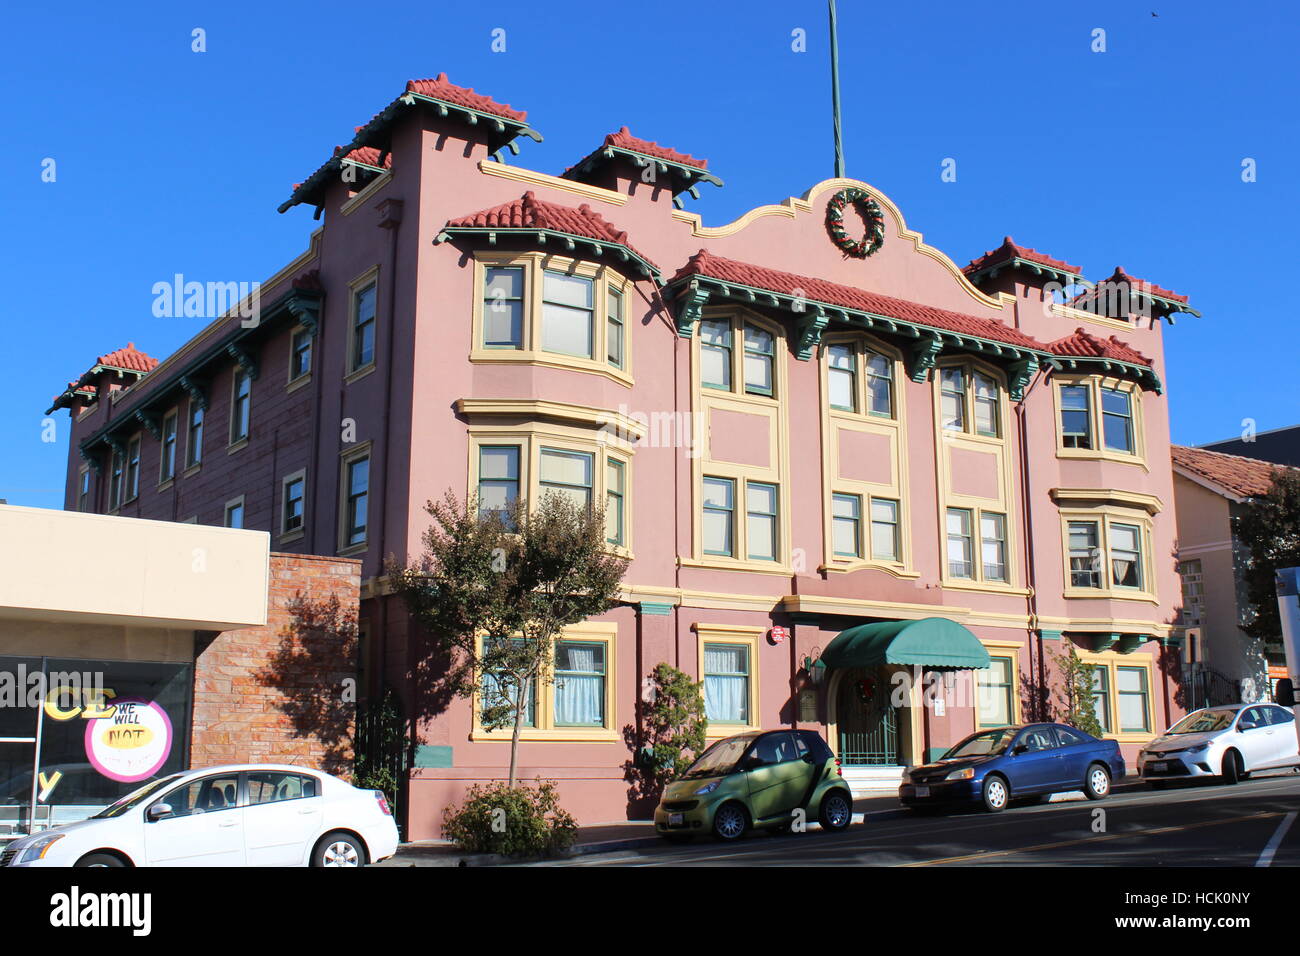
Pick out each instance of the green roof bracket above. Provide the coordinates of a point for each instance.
(150, 423)
(923, 355)
(195, 391)
(244, 358)
(690, 309)
(810, 327)
(1021, 374)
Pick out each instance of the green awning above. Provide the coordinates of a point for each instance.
(934, 642)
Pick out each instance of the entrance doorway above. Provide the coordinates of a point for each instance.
(866, 723)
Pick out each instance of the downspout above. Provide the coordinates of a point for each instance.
(1034, 633)
(390, 218)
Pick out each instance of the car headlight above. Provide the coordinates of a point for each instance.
(37, 849)
(708, 787)
(967, 773)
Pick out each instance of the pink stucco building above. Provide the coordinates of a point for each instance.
(802, 421)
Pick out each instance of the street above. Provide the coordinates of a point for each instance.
(1200, 825)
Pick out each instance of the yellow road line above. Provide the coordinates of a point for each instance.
(1093, 839)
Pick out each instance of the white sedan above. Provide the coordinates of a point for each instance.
(240, 815)
(1229, 742)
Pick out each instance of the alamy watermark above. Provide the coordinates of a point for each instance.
(191, 299)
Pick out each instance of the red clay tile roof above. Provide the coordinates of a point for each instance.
(704, 263)
(1083, 345)
(129, 358)
(1140, 286)
(1009, 250)
(529, 212)
(369, 155)
(443, 89)
(624, 139)
(1242, 477)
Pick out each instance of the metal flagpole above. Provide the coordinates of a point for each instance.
(835, 94)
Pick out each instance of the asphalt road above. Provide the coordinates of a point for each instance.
(1246, 825)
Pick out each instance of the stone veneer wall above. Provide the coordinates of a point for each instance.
(275, 694)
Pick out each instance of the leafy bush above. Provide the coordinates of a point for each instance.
(674, 724)
(512, 821)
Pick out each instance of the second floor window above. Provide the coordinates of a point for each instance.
(240, 406)
(960, 546)
(567, 473)
(846, 525)
(760, 524)
(989, 562)
(1106, 554)
(884, 530)
(363, 328)
(719, 524)
(1085, 555)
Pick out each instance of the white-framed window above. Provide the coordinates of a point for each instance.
(842, 377)
(993, 546)
(885, 538)
(580, 674)
(1117, 421)
(715, 354)
(761, 521)
(1076, 416)
(1099, 417)
(952, 393)
(728, 673)
(970, 401)
(567, 473)
(986, 563)
(961, 563)
(719, 520)
(846, 525)
(498, 478)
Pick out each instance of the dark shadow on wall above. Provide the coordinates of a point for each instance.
(314, 670)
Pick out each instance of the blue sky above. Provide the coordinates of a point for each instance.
(174, 161)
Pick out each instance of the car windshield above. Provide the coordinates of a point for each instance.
(1204, 722)
(135, 797)
(720, 759)
(982, 744)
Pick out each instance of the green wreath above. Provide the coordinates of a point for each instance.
(870, 212)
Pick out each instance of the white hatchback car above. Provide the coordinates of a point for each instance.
(1228, 742)
(239, 815)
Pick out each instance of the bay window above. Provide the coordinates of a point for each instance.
(1108, 555)
(567, 314)
(503, 308)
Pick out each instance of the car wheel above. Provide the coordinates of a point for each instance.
(100, 859)
(339, 849)
(1097, 784)
(1232, 769)
(836, 811)
(730, 822)
(996, 794)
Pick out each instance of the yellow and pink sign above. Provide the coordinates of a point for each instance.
(131, 742)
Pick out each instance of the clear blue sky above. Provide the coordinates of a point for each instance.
(173, 161)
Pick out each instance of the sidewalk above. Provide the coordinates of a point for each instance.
(640, 834)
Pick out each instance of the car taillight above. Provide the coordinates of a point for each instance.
(838, 771)
(383, 803)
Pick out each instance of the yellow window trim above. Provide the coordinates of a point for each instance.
(533, 265)
(1111, 661)
(739, 634)
(1104, 516)
(591, 632)
(346, 457)
(531, 437)
(1094, 384)
(1004, 649)
(357, 285)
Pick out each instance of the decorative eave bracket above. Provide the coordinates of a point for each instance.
(195, 391)
(922, 356)
(690, 309)
(246, 361)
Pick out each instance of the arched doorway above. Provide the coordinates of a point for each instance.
(866, 722)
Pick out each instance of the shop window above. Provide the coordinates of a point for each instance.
(995, 688)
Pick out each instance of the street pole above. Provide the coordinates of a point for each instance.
(835, 94)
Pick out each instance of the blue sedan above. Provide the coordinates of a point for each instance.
(993, 767)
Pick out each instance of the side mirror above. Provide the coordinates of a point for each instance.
(1019, 749)
(1285, 693)
(751, 762)
(157, 812)
(1246, 725)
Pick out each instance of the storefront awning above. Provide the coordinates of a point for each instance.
(934, 642)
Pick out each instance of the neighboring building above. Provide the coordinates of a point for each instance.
(1225, 664)
(174, 647)
(1280, 446)
(824, 440)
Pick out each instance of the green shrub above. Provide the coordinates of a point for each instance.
(513, 821)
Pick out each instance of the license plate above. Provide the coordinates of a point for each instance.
(1160, 765)
(676, 819)
(922, 791)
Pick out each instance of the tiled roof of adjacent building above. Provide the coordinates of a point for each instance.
(441, 88)
(704, 263)
(1240, 477)
(1140, 286)
(1084, 345)
(529, 212)
(1009, 251)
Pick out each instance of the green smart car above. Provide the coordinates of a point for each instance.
(761, 780)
